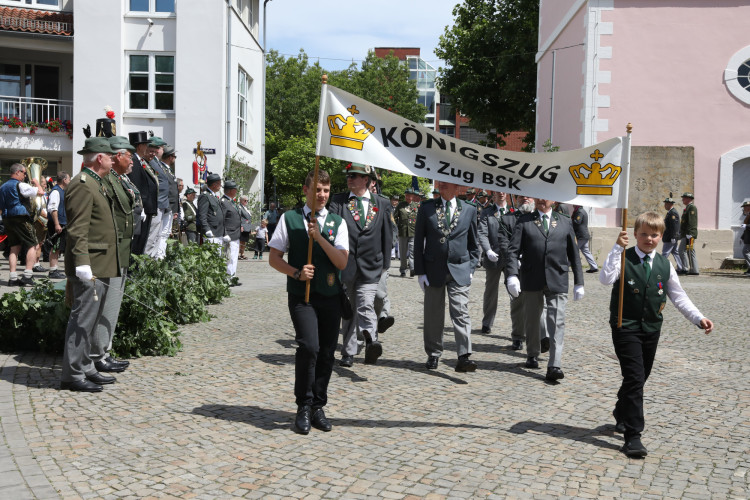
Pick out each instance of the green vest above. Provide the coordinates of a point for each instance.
(327, 279)
(643, 301)
(123, 214)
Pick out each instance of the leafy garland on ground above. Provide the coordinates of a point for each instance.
(159, 295)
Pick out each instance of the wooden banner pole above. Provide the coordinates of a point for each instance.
(629, 129)
(313, 209)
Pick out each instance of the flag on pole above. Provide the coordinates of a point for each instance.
(354, 130)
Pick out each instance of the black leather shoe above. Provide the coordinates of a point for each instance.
(545, 344)
(100, 379)
(108, 367)
(80, 386)
(385, 323)
(373, 351)
(432, 362)
(403, 274)
(25, 280)
(681, 272)
(517, 345)
(592, 270)
(346, 360)
(634, 448)
(116, 361)
(319, 420)
(554, 373)
(532, 362)
(486, 329)
(411, 273)
(39, 269)
(56, 275)
(465, 364)
(302, 421)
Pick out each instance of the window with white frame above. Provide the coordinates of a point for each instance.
(243, 117)
(151, 82)
(245, 9)
(151, 6)
(42, 4)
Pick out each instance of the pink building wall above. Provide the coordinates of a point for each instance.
(660, 65)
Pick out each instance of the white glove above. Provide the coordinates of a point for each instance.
(743, 226)
(143, 216)
(471, 278)
(84, 273)
(674, 241)
(491, 255)
(209, 234)
(226, 238)
(514, 286)
(422, 278)
(577, 292)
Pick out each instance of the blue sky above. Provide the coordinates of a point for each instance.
(338, 31)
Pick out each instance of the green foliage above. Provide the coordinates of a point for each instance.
(292, 105)
(491, 73)
(396, 183)
(159, 295)
(240, 172)
(547, 147)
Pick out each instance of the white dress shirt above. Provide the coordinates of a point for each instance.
(610, 272)
(280, 238)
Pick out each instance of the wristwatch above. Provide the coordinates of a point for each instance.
(297, 273)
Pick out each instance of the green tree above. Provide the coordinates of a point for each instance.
(491, 73)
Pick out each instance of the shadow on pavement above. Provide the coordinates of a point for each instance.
(270, 419)
(564, 431)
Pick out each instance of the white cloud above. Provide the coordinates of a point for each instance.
(337, 32)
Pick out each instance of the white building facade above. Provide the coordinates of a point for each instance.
(186, 70)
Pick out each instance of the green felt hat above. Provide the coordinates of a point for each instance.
(96, 145)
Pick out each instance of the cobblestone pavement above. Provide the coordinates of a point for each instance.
(215, 420)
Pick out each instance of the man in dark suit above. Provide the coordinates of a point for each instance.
(210, 215)
(370, 240)
(580, 221)
(147, 182)
(232, 227)
(688, 235)
(446, 252)
(493, 257)
(545, 243)
(671, 233)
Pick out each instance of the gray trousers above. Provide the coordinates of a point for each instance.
(516, 318)
(491, 289)
(382, 302)
(101, 341)
(746, 254)
(687, 257)
(583, 246)
(555, 322)
(434, 317)
(406, 250)
(84, 318)
(672, 248)
(362, 297)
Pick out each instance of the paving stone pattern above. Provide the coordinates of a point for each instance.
(215, 420)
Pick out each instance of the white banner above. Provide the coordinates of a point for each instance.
(354, 130)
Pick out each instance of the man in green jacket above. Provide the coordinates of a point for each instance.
(91, 260)
(688, 235)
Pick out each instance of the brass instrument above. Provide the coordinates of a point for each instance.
(34, 168)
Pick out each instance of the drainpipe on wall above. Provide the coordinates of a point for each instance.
(229, 85)
(263, 117)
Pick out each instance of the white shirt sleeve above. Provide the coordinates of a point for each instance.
(342, 237)
(54, 201)
(27, 190)
(610, 272)
(280, 238)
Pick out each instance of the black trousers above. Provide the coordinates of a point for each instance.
(139, 242)
(316, 326)
(635, 350)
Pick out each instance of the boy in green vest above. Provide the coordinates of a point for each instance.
(650, 279)
(316, 323)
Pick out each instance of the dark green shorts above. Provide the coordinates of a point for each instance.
(20, 231)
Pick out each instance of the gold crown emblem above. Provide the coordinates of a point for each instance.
(348, 132)
(597, 180)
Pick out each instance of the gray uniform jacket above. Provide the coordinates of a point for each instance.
(210, 215)
(369, 247)
(581, 224)
(232, 219)
(545, 258)
(438, 252)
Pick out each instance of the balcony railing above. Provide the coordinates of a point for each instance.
(35, 109)
(35, 25)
